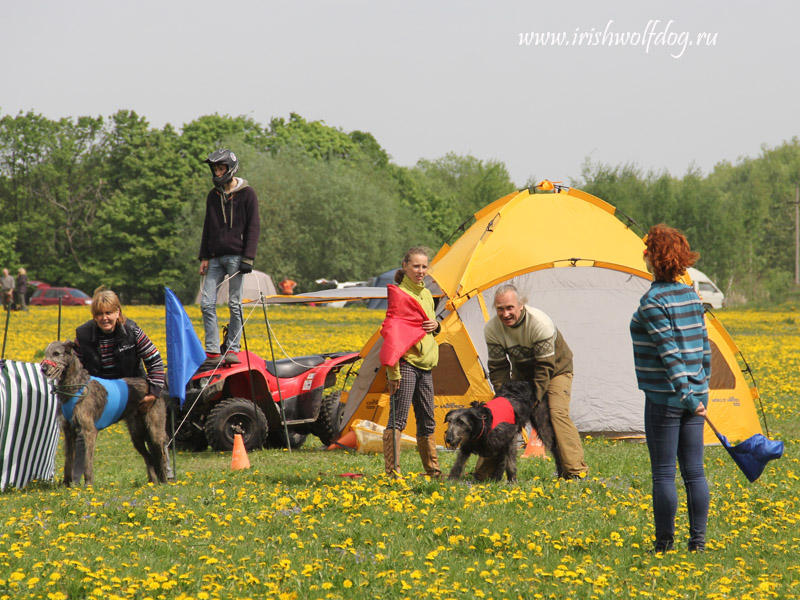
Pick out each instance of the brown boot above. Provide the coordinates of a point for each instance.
(426, 446)
(390, 466)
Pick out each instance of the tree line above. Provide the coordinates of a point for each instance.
(91, 200)
(112, 200)
(740, 217)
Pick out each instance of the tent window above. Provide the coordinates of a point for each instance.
(449, 378)
(722, 378)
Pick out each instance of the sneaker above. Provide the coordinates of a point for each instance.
(232, 359)
(211, 361)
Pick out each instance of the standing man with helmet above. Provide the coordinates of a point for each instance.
(227, 249)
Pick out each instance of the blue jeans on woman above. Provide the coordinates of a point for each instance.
(675, 432)
(218, 269)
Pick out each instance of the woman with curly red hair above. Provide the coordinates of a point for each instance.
(672, 357)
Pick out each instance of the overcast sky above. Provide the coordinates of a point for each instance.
(717, 81)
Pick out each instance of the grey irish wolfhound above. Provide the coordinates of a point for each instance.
(72, 382)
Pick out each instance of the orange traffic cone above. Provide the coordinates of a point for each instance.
(239, 459)
(348, 442)
(535, 446)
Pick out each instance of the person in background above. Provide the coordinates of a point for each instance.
(227, 250)
(111, 346)
(7, 289)
(410, 380)
(524, 344)
(287, 286)
(20, 290)
(672, 357)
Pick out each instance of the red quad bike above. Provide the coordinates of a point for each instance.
(224, 402)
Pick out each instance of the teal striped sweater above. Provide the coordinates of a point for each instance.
(671, 352)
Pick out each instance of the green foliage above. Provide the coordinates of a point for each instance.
(8, 239)
(211, 132)
(145, 213)
(447, 191)
(52, 187)
(333, 219)
(312, 138)
(89, 200)
(738, 217)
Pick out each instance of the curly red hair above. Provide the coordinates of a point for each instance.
(668, 252)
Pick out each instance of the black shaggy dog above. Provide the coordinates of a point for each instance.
(87, 400)
(474, 431)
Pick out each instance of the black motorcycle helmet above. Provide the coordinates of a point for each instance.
(226, 157)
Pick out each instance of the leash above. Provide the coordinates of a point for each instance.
(61, 389)
(483, 427)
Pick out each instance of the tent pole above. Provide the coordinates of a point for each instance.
(392, 403)
(250, 378)
(5, 334)
(173, 444)
(796, 235)
(277, 379)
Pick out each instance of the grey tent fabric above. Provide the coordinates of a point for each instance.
(255, 283)
(592, 308)
(352, 294)
(28, 425)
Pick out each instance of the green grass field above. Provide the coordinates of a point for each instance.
(295, 525)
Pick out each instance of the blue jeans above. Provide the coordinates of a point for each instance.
(218, 269)
(672, 432)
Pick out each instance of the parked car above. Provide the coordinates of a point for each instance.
(34, 285)
(69, 297)
(339, 285)
(710, 295)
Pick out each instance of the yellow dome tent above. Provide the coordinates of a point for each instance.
(573, 258)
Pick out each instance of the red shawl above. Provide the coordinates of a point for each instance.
(402, 327)
(502, 411)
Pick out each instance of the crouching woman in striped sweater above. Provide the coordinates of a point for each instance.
(110, 346)
(672, 357)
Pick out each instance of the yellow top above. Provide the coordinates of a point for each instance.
(425, 353)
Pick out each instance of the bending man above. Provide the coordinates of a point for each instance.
(524, 344)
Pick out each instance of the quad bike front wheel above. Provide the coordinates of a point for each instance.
(232, 416)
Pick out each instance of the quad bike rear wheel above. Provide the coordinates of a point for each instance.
(232, 416)
(327, 425)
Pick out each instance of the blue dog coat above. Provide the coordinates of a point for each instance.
(116, 401)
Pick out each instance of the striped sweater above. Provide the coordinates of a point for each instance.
(145, 350)
(671, 351)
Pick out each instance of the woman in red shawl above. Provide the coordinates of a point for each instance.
(410, 353)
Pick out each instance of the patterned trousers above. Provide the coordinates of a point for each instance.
(416, 389)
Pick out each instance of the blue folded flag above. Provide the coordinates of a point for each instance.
(753, 454)
(184, 351)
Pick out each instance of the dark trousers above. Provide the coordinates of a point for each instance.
(416, 389)
(675, 432)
